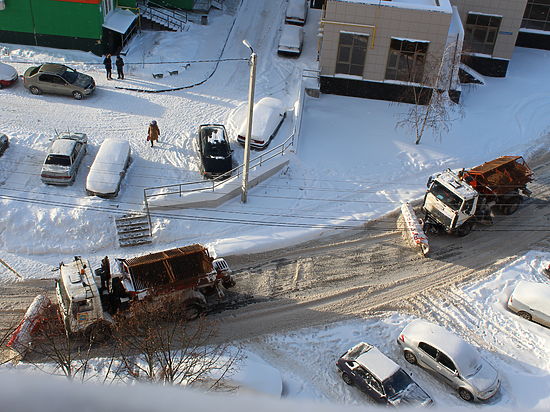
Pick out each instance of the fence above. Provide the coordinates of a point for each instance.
(288, 146)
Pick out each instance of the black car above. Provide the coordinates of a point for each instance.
(4, 143)
(215, 152)
(365, 367)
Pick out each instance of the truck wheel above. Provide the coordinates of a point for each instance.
(511, 205)
(98, 333)
(465, 229)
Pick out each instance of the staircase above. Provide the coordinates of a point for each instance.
(158, 17)
(133, 229)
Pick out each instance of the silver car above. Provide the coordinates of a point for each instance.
(58, 79)
(450, 358)
(64, 158)
(531, 301)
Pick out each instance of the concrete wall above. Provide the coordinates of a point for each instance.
(381, 23)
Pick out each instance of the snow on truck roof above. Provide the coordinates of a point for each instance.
(451, 179)
(462, 353)
(77, 278)
(534, 294)
(375, 361)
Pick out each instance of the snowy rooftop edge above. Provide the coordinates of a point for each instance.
(442, 6)
(119, 20)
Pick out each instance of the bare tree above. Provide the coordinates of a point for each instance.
(6, 354)
(432, 106)
(68, 354)
(172, 350)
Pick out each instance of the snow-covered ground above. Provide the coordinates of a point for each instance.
(518, 349)
(351, 165)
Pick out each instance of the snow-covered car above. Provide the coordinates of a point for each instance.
(291, 40)
(64, 158)
(267, 119)
(8, 75)
(214, 150)
(58, 79)
(296, 12)
(450, 358)
(108, 168)
(531, 301)
(365, 367)
(4, 143)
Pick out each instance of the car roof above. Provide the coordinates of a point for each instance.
(456, 348)
(62, 147)
(53, 68)
(532, 293)
(372, 359)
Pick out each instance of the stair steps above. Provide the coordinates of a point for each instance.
(133, 230)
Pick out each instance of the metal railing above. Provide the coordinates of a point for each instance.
(172, 19)
(179, 189)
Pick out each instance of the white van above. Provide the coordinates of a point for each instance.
(109, 168)
(296, 12)
(269, 114)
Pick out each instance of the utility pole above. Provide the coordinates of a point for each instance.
(246, 160)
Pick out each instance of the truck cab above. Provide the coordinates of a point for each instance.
(449, 201)
(78, 296)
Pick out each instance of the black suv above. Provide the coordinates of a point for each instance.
(215, 152)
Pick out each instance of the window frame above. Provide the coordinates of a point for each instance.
(421, 347)
(471, 45)
(352, 48)
(406, 60)
(530, 21)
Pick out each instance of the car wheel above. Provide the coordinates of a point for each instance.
(409, 357)
(525, 315)
(77, 95)
(465, 394)
(347, 379)
(35, 90)
(465, 229)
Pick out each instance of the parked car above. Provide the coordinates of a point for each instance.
(4, 143)
(58, 79)
(108, 168)
(450, 358)
(64, 158)
(296, 12)
(531, 301)
(268, 117)
(214, 150)
(365, 367)
(8, 75)
(291, 40)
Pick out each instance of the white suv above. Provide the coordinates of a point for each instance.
(450, 357)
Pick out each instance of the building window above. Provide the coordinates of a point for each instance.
(406, 60)
(481, 33)
(537, 15)
(352, 52)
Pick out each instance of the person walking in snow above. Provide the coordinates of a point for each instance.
(153, 133)
(119, 63)
(108, 66)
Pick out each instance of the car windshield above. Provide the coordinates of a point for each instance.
(217, 149)
(397, 383)
(446, 196)
(59, 160)
(70, 76)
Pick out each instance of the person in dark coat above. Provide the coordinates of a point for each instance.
(153, 133)
(119, 63)
(108, 66)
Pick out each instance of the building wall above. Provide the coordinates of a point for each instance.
(381, 23)
(512, 14)
(53, 17)
(180, 4)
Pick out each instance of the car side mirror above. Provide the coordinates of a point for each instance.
(455, 373)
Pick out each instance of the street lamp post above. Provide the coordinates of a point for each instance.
(252, 82)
